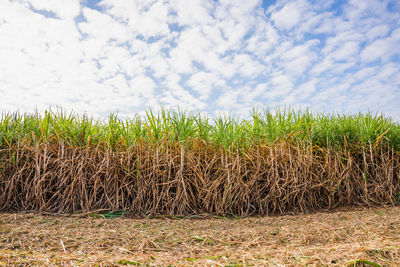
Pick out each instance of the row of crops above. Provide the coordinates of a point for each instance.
(176, 162)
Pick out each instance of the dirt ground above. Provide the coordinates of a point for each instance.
(321, 239)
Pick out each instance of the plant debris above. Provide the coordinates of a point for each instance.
(320, 239)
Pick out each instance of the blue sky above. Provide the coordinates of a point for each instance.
(206, 56)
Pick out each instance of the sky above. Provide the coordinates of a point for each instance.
(206, 56)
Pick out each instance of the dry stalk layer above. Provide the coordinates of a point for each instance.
(172, 179)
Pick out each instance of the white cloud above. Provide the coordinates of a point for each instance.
(227, 101)
(102, 27)
(298, 58)
(204, 83)
(247, 66)
(146, 18)
(209, 56)
(382, 49)
(289, 15)
(175, 89)
(358, 9)
(340, 38)
(263, 40)
(324, 65)
(306, 90)
(143, 85)
(197, 13)
(378, 31)
(388, 70)
(253, 96)
(348, 51)
(279, 85)
(68, 10)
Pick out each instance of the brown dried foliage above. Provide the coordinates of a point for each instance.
(319, 239)
(148, 180)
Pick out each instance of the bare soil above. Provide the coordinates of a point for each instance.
(321, 239)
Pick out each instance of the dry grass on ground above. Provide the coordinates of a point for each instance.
(322, 239)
